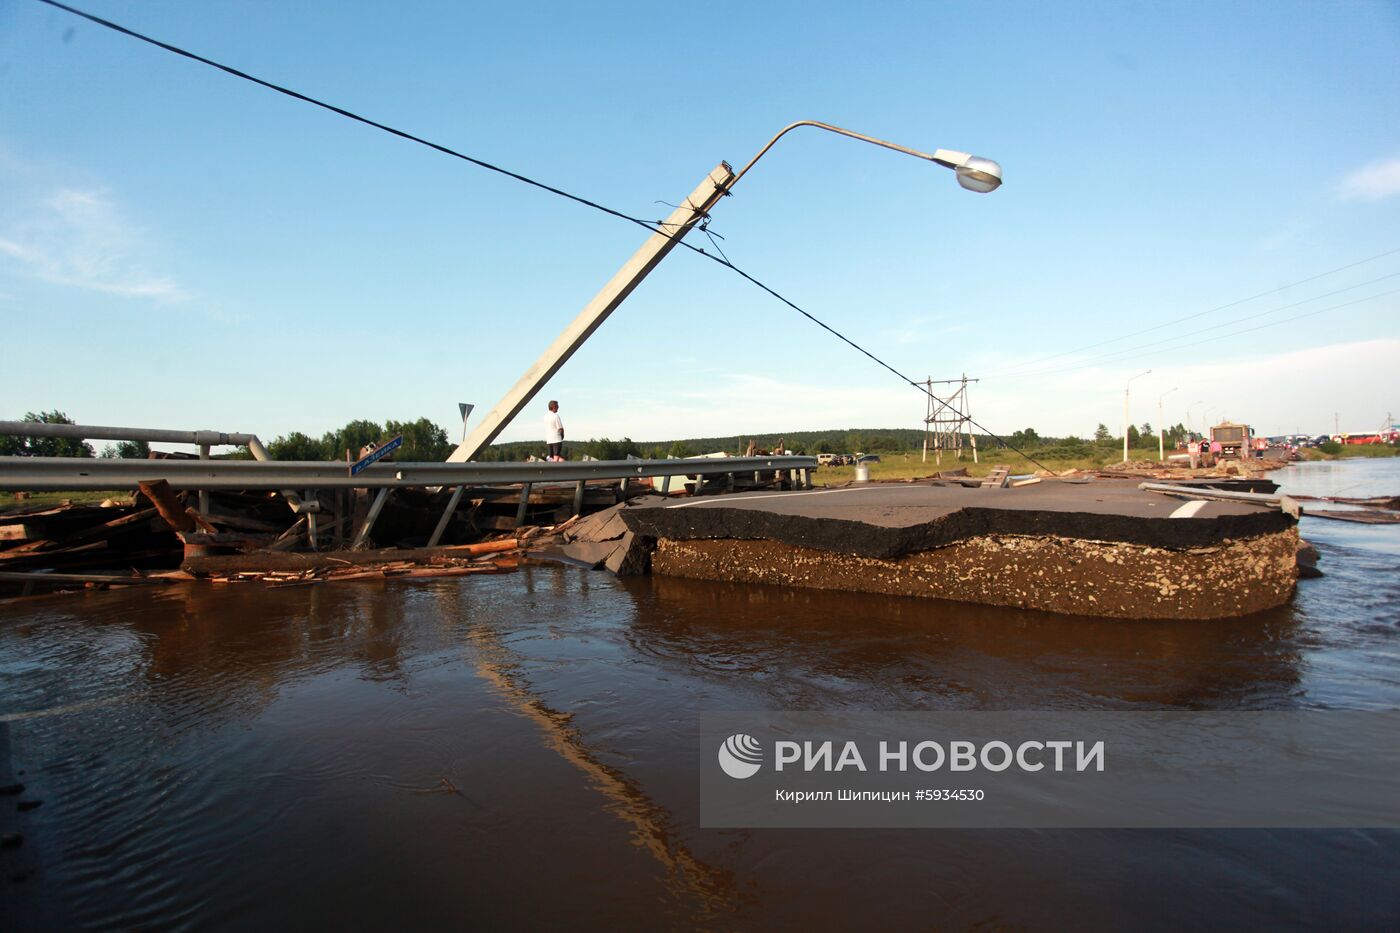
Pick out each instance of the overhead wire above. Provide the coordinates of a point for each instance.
(1116, 355)
(1247, 330)
(1198, 314)
(654, 226)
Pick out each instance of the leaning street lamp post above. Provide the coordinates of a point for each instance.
(973, 173)
(1126, 423)
(1161, 427)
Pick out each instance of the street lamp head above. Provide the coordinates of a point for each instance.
(974, 172)
(980, 175)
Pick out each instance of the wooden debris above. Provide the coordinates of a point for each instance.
(565, 526)
(15, 576)
(483, 547)
(156, 530)
(96, 533)
(291, 537)
(168, 505)
(998, 477)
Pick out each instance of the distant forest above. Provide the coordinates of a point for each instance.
(426, 441)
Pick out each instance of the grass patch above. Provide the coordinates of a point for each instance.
(912, 466)
(1334, 451)
(86, 496)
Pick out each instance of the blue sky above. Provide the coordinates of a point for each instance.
(182, 249)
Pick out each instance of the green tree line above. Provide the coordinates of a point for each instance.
(426, 441)
(422, 441)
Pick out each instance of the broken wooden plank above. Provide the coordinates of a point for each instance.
(168, 505)
(481, 547)
(291, 537)
(91, 533)
(21, 576)
(998, 477)
(269, 560)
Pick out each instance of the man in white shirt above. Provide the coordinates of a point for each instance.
(554, 432)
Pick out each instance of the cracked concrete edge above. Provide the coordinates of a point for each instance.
(1048, 573)
(866, 540)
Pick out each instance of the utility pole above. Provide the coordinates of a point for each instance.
(973, 173)
(693, 210)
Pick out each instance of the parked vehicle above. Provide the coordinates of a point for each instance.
(868, 458)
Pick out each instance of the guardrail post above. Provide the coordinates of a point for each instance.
(447, 514)
(666, 485)
(338, 529)
(578, 497)
(204, 493)
(524, 504)
(310, 522)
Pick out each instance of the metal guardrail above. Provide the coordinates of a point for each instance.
(73, 473)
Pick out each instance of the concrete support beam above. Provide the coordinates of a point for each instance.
(362, 538)
(447, 514)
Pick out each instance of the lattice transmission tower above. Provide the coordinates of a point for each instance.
(947, 419)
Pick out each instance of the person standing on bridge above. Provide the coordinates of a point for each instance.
(554, 433)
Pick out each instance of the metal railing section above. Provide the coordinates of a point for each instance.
(72, 473)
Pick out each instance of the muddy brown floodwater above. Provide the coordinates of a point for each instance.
(519, 751)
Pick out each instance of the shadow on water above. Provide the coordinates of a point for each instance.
(652, 827)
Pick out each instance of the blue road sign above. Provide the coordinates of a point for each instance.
(378, 454)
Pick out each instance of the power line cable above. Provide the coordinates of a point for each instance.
(1189, 317)
(1110, 356)
(481, 163)
(341, 111)
(1247, 330)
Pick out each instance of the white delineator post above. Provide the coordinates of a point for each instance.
(690, 213)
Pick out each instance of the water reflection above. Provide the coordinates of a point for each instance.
(818, 650)
(246, 712)
(518, 750)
